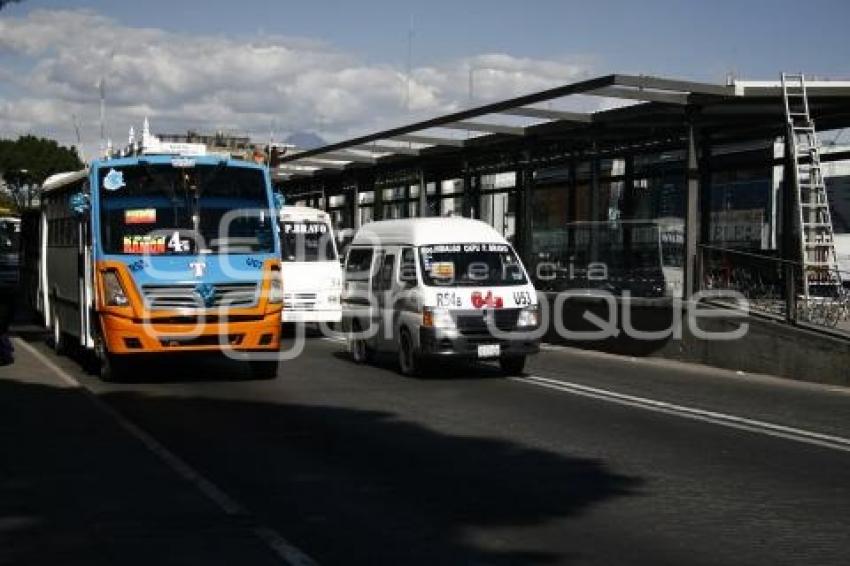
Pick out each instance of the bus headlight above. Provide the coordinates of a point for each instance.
(115, 295)
(437, 318)
(276, 289)
(528, 317)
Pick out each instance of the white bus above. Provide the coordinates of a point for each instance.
(312, 275)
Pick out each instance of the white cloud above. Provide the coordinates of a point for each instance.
(214, 82)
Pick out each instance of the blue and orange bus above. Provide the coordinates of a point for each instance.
(160, 254)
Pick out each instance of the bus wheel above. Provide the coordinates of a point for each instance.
(512, 365)
(408, 360)
(60, 345)
(111, 368)
(263, 369)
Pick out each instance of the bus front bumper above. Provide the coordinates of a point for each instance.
(129, 336)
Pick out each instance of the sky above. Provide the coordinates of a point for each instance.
(341, 69)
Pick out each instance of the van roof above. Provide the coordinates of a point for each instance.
(427, 231)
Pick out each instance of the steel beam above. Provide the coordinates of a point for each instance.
(642, 94)
(429, 140)
(483, 127)
(321, 164)
(347, 156)
(546, 114)
(494, 108)
(657, 83)
(395, 149)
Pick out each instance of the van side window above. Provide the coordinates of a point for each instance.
(359, 264)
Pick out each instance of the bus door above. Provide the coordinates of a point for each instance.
(85, 273)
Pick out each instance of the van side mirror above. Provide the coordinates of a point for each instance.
(407, 273)
(79, 203)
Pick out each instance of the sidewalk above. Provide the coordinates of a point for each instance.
(77, 488)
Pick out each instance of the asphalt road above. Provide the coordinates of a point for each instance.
(630, 462)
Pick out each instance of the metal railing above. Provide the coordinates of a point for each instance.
(773, 287)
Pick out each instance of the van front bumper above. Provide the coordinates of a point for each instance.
(129, 336)
(440, 342)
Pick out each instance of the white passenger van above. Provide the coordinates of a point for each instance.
(312, 276)
(438, 287)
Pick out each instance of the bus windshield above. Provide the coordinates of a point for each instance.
(470, 265)
(307, 241)
(162, 209)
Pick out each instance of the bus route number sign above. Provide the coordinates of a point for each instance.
(178, 245)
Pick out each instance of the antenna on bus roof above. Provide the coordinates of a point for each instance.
(79, 141)
(102, 87)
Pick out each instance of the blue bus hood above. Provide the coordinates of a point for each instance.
(186, 269)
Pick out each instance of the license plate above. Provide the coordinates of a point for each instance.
(488, 350)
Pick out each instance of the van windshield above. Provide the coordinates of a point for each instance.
(303, 240)
(470, 265)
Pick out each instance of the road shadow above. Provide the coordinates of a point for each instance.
(366, 487)
(436, 369)
(347, 486)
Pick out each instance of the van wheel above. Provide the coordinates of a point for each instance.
(512, 365)
(360, 351)
(408, 360)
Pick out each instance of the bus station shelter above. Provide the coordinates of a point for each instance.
(557, 170)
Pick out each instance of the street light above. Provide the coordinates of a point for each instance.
(472, 70)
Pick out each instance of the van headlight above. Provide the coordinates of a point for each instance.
(276, 289)
(115, 296)
(437, 318)
(528, 317)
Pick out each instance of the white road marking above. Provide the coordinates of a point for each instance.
(279, 545)
(761, 427)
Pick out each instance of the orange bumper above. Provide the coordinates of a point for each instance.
(128, 336)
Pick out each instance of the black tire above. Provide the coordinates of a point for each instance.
(110, 368)
(264, 369)
(409, 361)
(58, 340)
(512, 365)
(360, 351)
(114, 369)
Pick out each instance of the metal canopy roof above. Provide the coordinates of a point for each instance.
(647, 109)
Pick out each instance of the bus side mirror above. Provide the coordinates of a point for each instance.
(79, 203)
(407, 273)
(279, 200)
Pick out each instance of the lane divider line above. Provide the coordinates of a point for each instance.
(278, 544)
(723, 419)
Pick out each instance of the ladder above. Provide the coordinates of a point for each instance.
(820, 277)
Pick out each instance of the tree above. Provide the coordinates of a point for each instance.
(25, 163)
